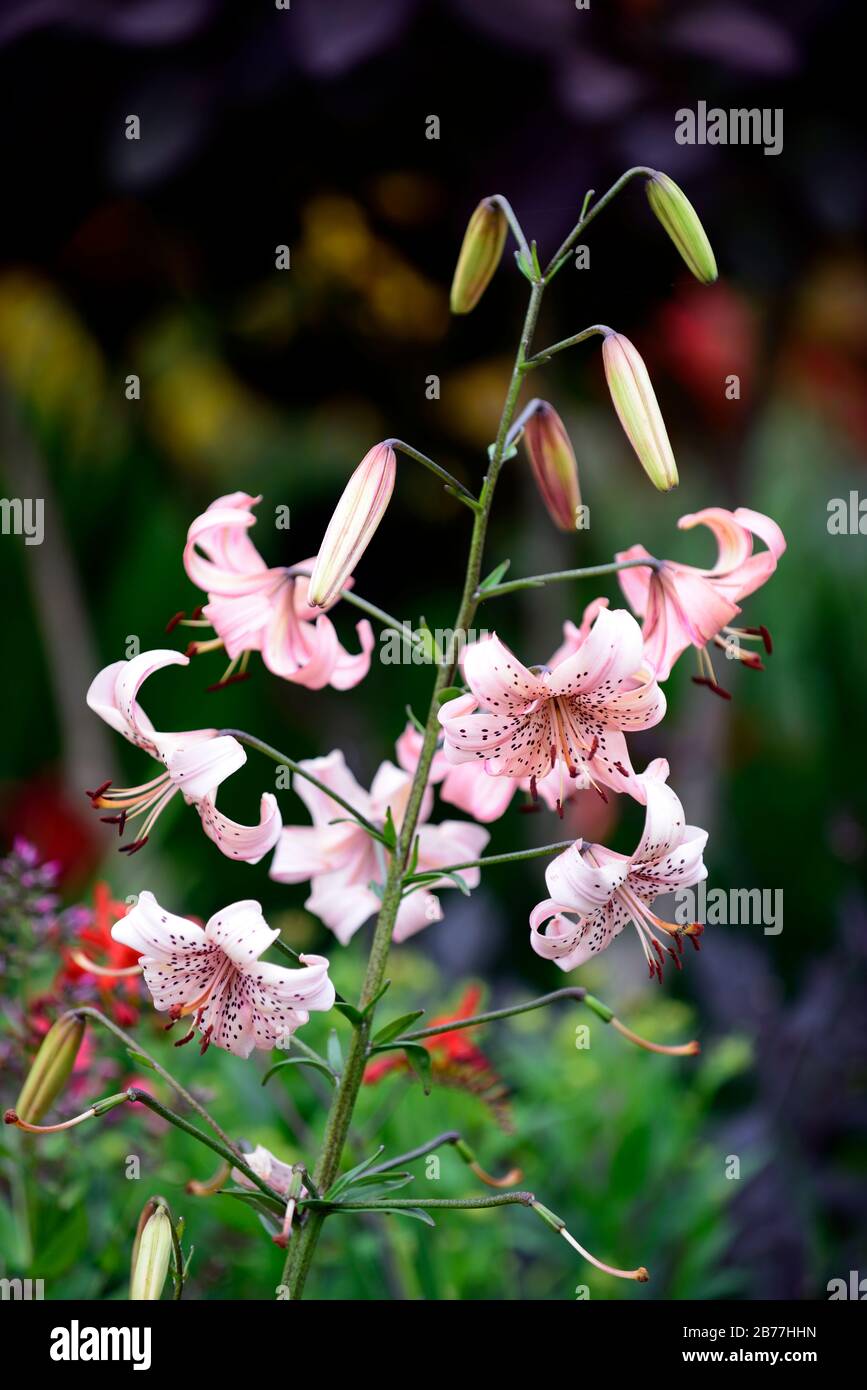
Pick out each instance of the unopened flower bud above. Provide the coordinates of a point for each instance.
(151, 1254)
(51, 1067)
(356, 517)
(681, 221)
(480, 254)
(554, 467)
(638, 410)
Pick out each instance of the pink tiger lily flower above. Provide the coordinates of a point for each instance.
(605, 891)
(469, 786)
(252, 608)
(684, 606)
(342, 861)
(570, 718)
(193, 763)
(213, 976)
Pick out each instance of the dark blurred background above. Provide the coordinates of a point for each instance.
(157, 257)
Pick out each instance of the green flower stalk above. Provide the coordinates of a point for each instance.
(480, 254)
(638, 410)
(681, 221)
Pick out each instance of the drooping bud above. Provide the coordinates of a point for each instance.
(480, 254)
(151, 1254)
(638, 410)
(554, 467)
(356, 517)
(51, 1067)
(681, 221)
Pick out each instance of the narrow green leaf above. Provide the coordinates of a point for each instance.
(334, 1053)
(395, 1028)
(342, 1182)
(349, 1011)
(260, 1201)
(142, 1060)
(495, 576)
(451, 692)
(301, 1062)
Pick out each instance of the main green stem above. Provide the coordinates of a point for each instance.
(302, 1247)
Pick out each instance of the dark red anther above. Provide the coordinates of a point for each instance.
(658, 949)
(206, 1039)
(97, 793)
(762, 632)
(181, 1042)
(533, 792)
(675, 957)
(593, 746)
(599, 792)
(119, 820)
(754, 661)
(553, 756)
(621, 769)
(559, 808)
(173, 621)
(712, 685)
(230, 680)
(529, 808)
(197, 611)
(191, 649)
(134, 847)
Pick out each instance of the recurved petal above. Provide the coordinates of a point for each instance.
(130, 677)
(583, 880)
(333, 773)
(568, 943)
(201, 762)
(349, 669)
(154, 932)
(663, 821)
(241, 932)
(237, 841)
(635, 582)
(231, 564)
(304, 851)
(610, 655)
(499, 681)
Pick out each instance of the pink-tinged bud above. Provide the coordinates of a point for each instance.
(356, 517)
(51, 1067)
(480, 254)
(638, 410)
(681, 221)
(151, 1254)
(552, 459)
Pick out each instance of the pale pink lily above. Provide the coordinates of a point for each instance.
(194, 764)
(605, 891)
(342, 861)
(570, 718)
(684, 606)
(469, 786)
(213, 976)
(254, 608)
(280, 1176)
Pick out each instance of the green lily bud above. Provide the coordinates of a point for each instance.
(480, 254)
(552, 460)
(638, 410)
(51, 1067)
(151, 1253)
(681, 221)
